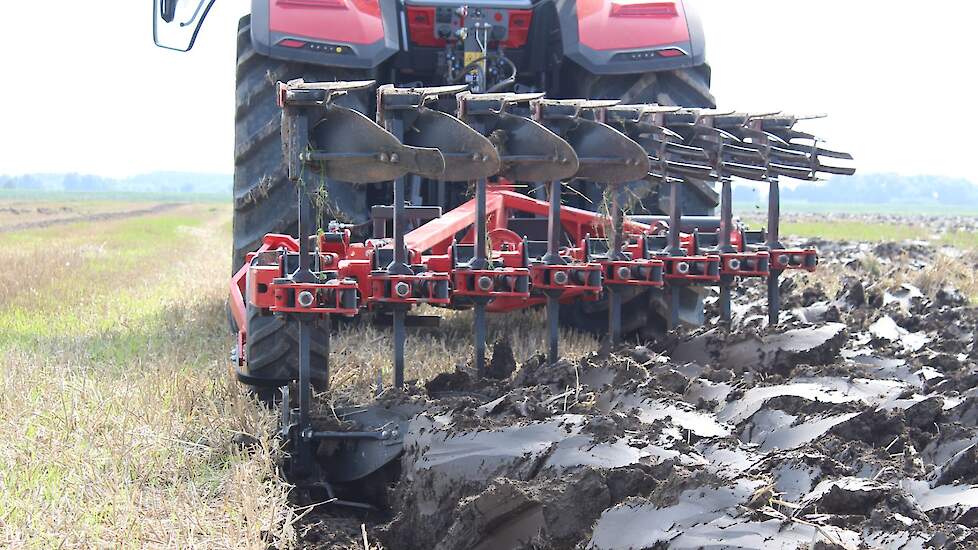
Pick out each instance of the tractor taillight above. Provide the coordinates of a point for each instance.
(623, 8)
(421, 27)
(670, 52)
(519, 28)
(290, 43)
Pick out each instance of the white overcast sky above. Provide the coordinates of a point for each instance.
(85, 90)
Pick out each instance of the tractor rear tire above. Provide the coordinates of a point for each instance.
(686, 88)
(265, 202)
(264, 199)
(683, 87)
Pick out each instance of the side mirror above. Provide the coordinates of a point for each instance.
(176, 23)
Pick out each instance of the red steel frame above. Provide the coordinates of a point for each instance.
(431, 245)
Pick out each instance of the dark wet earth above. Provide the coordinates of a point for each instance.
(850, 425)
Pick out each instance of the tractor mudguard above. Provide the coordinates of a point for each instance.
(359, 34)
(627, 37)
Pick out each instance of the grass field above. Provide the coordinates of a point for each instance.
(856, 230)
(115, 407)
(75, 197)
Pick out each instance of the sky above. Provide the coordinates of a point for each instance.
(87, 91)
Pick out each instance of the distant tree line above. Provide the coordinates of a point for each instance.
(870, 189)
(878, 188)
(165, 182)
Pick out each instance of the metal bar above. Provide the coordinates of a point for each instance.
(326, 348)
(305, 382)
(726, 215)
(298, 125)
(399, 337)
(413, 213)
(398, 266)
(686, 223)
(614, 253)
(773, 298)
(614, 316)
(553, 334)
(553, 226)
(774, 215)
(480, 262)
(479, 339)
(726, 298)
(675, 219)
(774, 243)
(614, 240)
(726, 226)
(552, 257)
(673, 292)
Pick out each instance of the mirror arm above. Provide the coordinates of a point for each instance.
(193, 17)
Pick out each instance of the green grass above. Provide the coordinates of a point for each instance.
(965, 240)
(849, 230)
(856, 230)
(935, 209)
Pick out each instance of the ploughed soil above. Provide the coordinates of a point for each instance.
(852, 424)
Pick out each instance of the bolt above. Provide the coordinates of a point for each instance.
(395, 158)
(682, 268)
(733, 264)
(402, 289)
(559, 278)
(306, 298)
(624, 273)
(485, 283)
(382, 157)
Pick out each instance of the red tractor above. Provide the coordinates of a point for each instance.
(497, 132)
